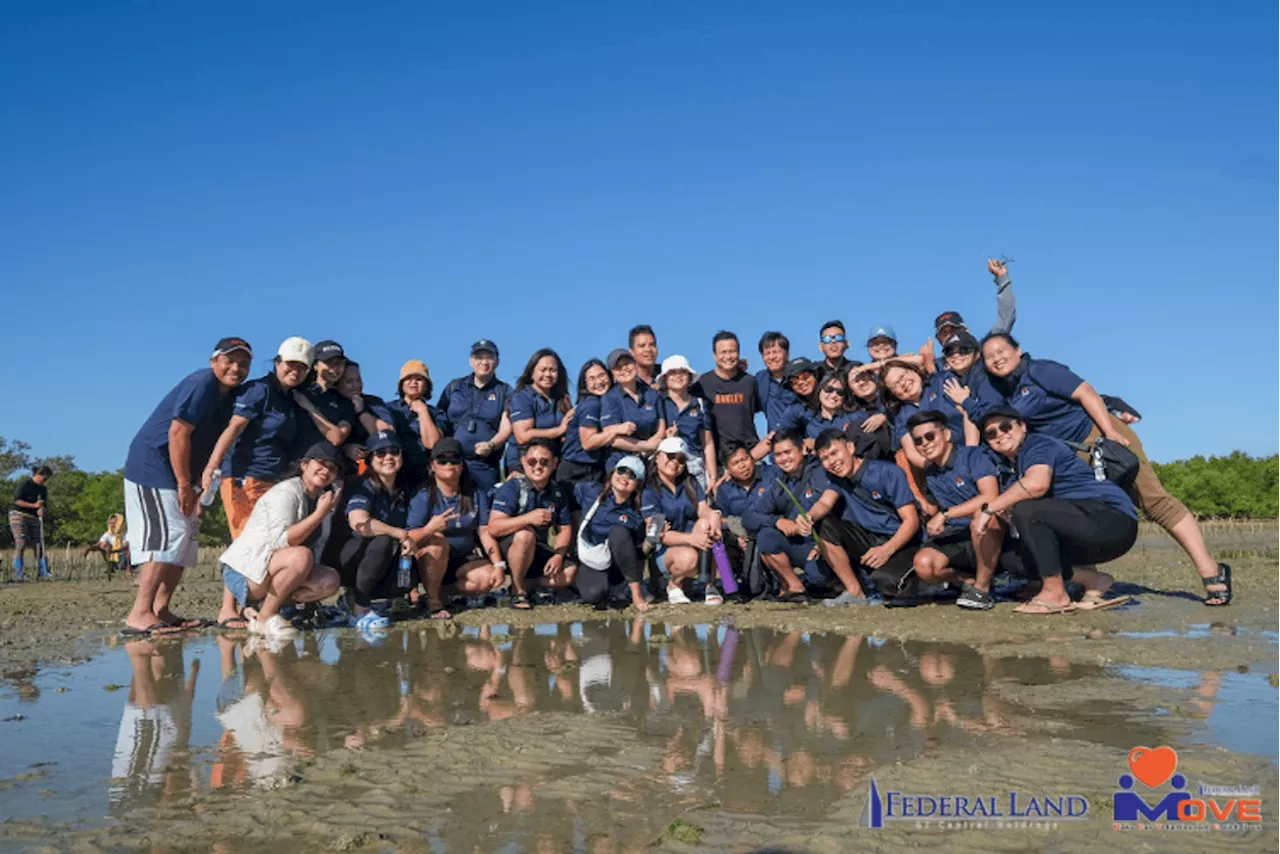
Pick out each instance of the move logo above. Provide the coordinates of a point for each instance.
(1216, 808)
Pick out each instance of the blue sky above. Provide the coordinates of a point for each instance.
(406, 177)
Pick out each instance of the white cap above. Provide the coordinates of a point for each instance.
(673, 445)
(675, 363)
(295, 349)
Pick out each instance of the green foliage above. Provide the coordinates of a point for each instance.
(1237, 486)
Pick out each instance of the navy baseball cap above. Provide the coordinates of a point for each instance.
(1002, 411)
(484, 345)
(617, 356)
(322, 451)
(230, 345)
(961, 342)
(447, 448)
(382, 439)
(325, 350)
(947, 318)
(797, 366)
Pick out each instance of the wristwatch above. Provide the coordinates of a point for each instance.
(984, 509)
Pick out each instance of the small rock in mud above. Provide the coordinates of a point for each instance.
(1274, 679)
(111, 686)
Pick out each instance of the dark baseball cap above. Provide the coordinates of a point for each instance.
(322, 451)
(230, 345)
(1002, 411)
(325, 350)
(961, 342)
(947, 318)
(446, 448)
(617, 356)
(797, 366)
(484, 345)
(382, 439)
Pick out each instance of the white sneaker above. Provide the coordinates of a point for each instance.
(274, 626)
(713, 598)
(677, 596)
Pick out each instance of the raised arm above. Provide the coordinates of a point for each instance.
(1006, 305)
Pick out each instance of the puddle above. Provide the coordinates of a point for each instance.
(554, 728)
(1203, 630)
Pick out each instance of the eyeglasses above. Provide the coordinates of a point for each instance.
(387, 452)
(925, 438)
(833, 339)
(627, 473)
(992, 433)
(449, 461)
(537, 462)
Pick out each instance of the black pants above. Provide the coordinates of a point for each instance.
(1056, 533)
(369, 566)
(892, 579)
(568, 471)
(593, 584)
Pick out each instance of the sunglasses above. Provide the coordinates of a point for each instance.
(925, 438)
(956, 351)
(1001, 427)
(833, 339)
(449, 461)
(387, 452)
(627, 473)
(833, 389)
(537, 462)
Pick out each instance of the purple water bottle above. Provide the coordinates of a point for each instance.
(727, 581)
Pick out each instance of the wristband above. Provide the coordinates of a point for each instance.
(500, 563)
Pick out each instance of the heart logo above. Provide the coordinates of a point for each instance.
(1153, 767)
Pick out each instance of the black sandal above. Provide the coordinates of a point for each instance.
(794, 597)
(1224, 578)
(521, 602)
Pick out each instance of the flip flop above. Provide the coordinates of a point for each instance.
(1093, 601)
(234, 624)
(1039, 607)
(156, 629)
(184, 623)
(441, 614)
(520, 602)
(794, 597)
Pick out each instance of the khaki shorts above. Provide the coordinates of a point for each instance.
(1147, 493)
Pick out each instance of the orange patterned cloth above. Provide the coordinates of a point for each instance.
(238, 500)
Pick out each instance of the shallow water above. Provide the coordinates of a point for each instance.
(644, 721)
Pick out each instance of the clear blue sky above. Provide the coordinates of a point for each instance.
(408, 176)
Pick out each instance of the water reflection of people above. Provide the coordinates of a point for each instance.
(261, 724)
(154, 728)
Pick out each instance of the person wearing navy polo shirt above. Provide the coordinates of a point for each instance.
(332, 416)
(784, 532)
(523, 511)
(688, 418)
(867, 407)
(378, 516)
(643, 344)
(1054, 401)
(630, 402)
(418, 424)
(833, 341)
(447, 519)
(690, 527)
(166, 456)
(370, 410)
(475, 406)
(878, 524)
(950, 323)
(833, 412)
(731, 393)
(540, 407)
(801, 377)
(782, 409)
(737, 486)
(961, 370)
(959, 479)
(1064, 516)
(586, 443)
(611, 515)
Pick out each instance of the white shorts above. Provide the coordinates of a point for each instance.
(158, 532)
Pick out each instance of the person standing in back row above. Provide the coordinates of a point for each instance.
(734, 401)
(643, 344)
(475, 406)
(29, 501)
(173, 446)
(833, 341)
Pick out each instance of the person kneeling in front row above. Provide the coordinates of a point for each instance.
(960, 479)
(610, 534)
(1062, 513)
(273, 561)
(521, 514)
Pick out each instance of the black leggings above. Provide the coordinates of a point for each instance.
(593, 584)
(1056, 533)
(369, 566)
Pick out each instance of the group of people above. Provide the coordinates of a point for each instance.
(902, 476)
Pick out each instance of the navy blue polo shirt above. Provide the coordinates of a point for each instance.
(955, 427)
(1041, 392)
(585, 414)
(474, 414)
(463, 532)
(1073, 478)
(815, 423)
(375, 406)
(734, 499)
(618, 407)
(409, 431)
(770, 501)
(679, 507)
(782, 409)
(690, 421)
(265, 448)
(956, 480)
(198, 400)
(335, 408)
(506, 500)
(528, 404)
(390, 508)
(886, 490)
(609, 514)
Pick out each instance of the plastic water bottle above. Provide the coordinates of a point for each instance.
(1099, 468)
(206, 497)
(403, 576)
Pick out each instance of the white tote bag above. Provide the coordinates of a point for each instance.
(589, 555)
